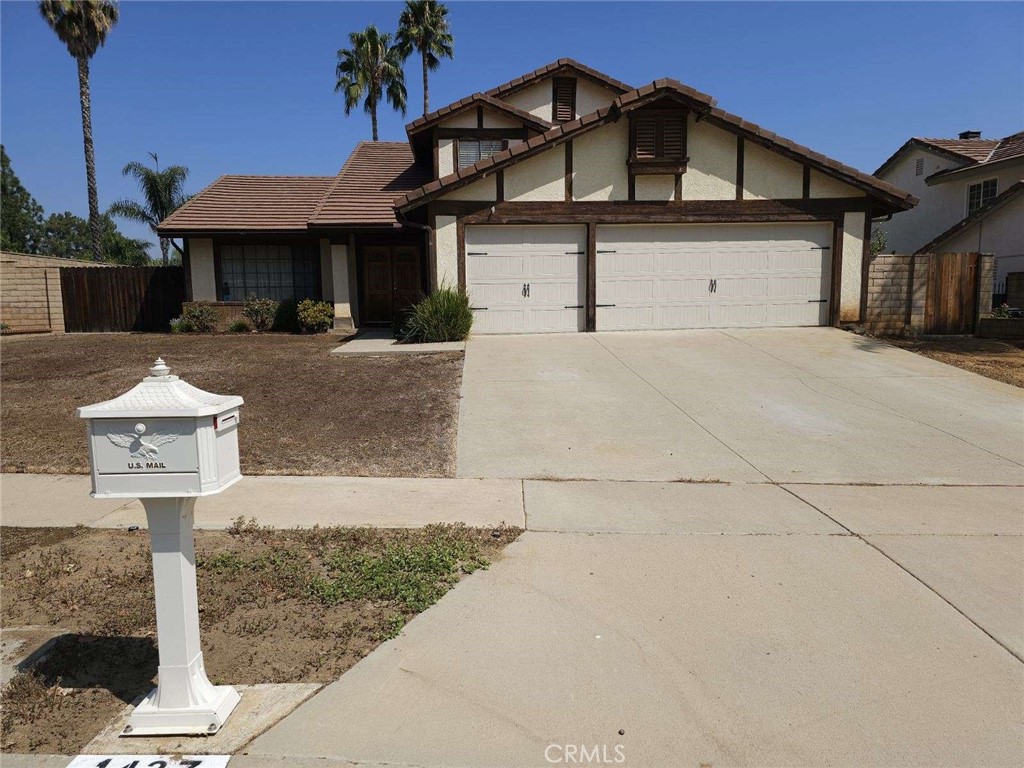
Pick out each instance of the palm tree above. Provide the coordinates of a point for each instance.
(371, 67)
(83, 25)
(423, 26)
(163, 192)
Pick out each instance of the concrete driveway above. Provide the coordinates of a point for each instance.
(814, 405)
(848, 592)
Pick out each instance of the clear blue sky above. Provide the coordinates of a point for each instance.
(243, 87)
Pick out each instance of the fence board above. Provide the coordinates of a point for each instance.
(121, 298)
(952, 293)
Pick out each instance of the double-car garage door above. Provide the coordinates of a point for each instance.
(532, 279)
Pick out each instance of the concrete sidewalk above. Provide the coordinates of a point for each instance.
(282, 502)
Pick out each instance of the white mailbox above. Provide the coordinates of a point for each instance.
(163, 438)
(166, 443)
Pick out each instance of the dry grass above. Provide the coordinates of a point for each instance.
(275, 607)
(999, 360)
(305, 413)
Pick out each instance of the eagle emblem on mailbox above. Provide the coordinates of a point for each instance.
(139, 447)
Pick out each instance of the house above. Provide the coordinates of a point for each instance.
(971, 197)
(562, 200)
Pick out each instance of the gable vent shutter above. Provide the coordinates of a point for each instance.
(674, 134)
(646, 137)
(565, 100)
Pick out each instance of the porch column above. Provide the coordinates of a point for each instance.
(204, 276)
(342, 299)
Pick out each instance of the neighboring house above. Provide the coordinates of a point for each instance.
(563, 200)
(971, 197)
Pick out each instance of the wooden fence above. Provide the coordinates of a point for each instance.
(121, 298)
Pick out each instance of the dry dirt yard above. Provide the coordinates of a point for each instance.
(305, 412)
(999, 360)
(275, 607)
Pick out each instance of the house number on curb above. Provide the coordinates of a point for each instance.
(167, 443)
(149, 761)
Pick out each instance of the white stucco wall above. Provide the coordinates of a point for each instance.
(535, 99)
(655, 187)
(204, 277)
(1000, 233)
(485, 189)
(826, 186)
(853, 258)
(541, 178)
(445, 157)
(494, 119)
(711, 172)
(466, 119)
(599, 163)
(590, 97)
(446, 240)
(326, 270)
(339, 274)
(770, 176)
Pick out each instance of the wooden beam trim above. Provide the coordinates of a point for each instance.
(591, 297)
(479, 117)
(807, 183)
(865, 264)
(480, 133)
(584, 211)
(499, 186)
(677, 193)
(835, 292)
(568, 171)
(460, 239)
(739, 167)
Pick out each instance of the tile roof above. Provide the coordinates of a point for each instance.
(1011, 192)
(632, 100)
(971, 152)
(257, 203)
(421, 123)
(555, 67)
(973, 149)
(1010, 147)
(365, 189)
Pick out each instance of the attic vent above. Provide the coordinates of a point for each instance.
(660, 136)
(919, 166)
(563, 102)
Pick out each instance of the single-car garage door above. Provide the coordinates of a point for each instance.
(526, 279)
(713, 275)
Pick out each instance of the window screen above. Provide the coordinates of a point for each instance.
(980, 194)
(471, 150)
(268, 272)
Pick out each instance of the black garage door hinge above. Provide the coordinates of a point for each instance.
(476, 253)
(476, 309)
(575, 253)
(574, 306)
(817, 301)
(600, 251)
(604, 305)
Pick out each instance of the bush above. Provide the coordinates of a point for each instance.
(180, 325)
(444, 315)
(286, 318)
(238, 326)
(260, 312)
(315, 316)
(1002, 311)
(199, 318)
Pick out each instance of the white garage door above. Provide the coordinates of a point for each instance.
(713, 275)
(527, 279)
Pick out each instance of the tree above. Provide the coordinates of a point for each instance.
(423, 26)
(83, 25)
(163, 193)
(879, 240)
(371, 69)
(69, 236)
(21, 217)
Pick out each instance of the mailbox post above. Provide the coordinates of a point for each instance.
(167, 443)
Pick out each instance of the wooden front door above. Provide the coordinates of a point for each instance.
(391, 281)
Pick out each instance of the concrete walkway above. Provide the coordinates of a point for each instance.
(381, 341)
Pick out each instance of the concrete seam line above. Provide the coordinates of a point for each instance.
(895, 411)
(912, 575)
(675, 405)
(526, 516)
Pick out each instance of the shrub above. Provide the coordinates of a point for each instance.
(444, 315)
(1002, 311)
(260, 312)
(199, 318)
(180, 325)
(315, 316)
(286, 318)
(238, 326)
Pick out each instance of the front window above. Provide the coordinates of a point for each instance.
(471, 150)
(981, 194)
(269, 272)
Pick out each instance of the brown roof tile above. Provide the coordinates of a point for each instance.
(477, 99)
(256, 203)
(555, 67)
(973, 149)
(1010, 147)
(365, 189)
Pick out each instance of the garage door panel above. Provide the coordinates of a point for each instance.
(501, 260)
(715, 275)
